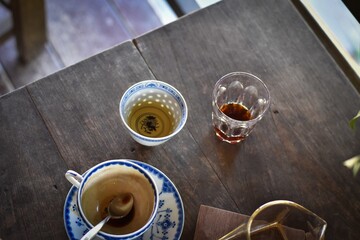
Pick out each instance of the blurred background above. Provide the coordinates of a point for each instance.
(339, 20)
(40, 37)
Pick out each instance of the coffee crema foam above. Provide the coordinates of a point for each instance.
(106, 184)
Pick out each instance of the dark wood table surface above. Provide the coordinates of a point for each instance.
(70, 120)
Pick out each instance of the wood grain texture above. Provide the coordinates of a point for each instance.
(80, 107)
(70, 120)
(32, 189)
(79, 103)
(296, 151)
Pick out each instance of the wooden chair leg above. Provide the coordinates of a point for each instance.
(29, 26)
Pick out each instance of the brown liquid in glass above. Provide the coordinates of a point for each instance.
(237, 112)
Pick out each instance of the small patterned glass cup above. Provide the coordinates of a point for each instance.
(239, 101)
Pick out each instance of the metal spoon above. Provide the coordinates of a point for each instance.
(118, 208)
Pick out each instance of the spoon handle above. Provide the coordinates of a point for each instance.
(92, 233)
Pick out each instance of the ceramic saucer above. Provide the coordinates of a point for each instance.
(169, 220)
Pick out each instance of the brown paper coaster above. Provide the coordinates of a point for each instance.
(213, 223)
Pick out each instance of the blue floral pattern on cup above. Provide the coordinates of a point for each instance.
(169, 220)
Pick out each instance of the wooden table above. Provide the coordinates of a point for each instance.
(70, 120)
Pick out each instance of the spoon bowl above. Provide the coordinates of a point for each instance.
(119, 207)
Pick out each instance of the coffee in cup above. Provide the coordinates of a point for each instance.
(104, 182)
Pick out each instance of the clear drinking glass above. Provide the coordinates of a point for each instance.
(239, 101)
(280, 220)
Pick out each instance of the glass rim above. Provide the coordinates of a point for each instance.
(216, 107)
(285, 203)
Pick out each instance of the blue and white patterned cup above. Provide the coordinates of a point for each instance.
(153, 112)
(115, 173)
